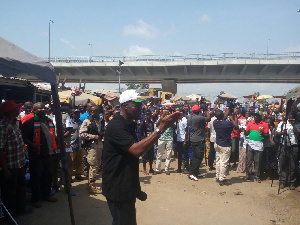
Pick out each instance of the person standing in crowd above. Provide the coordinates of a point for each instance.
(165, 142)
(81, 109)
(56, 158)
(147, 127)
(180, 144)
(243, 121)
(212, 139)
(27, 111)
(256, 131)
(12, 161)
(235, 147)
(121, 184)
(288, 152)
(223, 130)
(87, 113)
(82, 118)
(269, 161)
(67, 131)
(77, 155)
(196, 128)
(91, 133)
(39, 135)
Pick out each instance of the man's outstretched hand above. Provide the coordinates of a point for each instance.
(169, 120)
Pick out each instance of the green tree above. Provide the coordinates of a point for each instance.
(137, 86)
(221, 100)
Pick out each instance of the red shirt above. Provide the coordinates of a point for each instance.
(258, 126)
(235, 133)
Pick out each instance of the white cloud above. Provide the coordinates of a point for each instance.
(205, 18)
(68, 43)
(135, 50)
(293, 48)
(141, 29)
(176, 53)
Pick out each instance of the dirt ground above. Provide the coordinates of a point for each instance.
(176, 200)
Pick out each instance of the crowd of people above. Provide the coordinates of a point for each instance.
(258, 140)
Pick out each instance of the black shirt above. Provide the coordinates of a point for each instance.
(120, 179)
(196, 125)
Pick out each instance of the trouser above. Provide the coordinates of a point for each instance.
(234, 157)
(222, 159)
(162, 145)
(40, 176)
(93, 159)
(198, 153)
(55, 169)
(77, 158)
(180, 148)
(122, 212)
(13, 190)
(256, 156)
(68, 167)
(211, 155)
(287, 164)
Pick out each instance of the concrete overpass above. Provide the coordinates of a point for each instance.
(195, 68)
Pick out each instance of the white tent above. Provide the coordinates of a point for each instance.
(15, 61)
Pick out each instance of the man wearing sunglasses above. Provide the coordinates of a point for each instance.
(121, 185)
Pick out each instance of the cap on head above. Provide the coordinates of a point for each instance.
(9, 105)
(73, 111)
(130, 95)
(196, 108)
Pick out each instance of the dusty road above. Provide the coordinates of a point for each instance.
(176, 200)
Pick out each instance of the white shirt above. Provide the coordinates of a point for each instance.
(181, 125)
(212, 129)
(291, 138)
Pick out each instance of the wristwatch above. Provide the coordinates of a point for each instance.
(159, 131)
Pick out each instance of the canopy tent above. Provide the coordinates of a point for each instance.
(15, 61)
(293, 94)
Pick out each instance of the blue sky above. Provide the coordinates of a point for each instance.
(116, 28)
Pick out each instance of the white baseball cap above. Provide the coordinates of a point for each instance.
(130, 95)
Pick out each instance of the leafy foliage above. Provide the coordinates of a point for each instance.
(137, 86)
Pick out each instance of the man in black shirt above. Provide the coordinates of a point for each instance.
(121, 153)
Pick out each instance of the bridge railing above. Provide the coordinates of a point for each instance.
(174, 58)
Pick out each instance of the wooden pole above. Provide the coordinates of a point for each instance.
(61, 145)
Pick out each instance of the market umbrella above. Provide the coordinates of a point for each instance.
(263, 97)
(64, 96)
(227, 96)
(180, 98)
(194, 97)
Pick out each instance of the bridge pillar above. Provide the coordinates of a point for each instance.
(169, 86)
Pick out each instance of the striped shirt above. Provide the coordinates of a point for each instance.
(11, 142)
